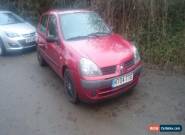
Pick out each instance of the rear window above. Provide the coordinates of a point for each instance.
(9, 18)
(52, 32)
(43, 24)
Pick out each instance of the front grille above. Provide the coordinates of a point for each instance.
(108, 70)
(29, 35)
(24, 44)
(129, 63)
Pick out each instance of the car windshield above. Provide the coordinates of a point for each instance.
(9, 18)
(82, 25)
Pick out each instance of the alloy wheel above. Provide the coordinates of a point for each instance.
(70, 88)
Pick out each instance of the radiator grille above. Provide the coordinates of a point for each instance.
(108, 70)
(129, 63)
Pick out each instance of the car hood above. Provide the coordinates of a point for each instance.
(19, 28)
(104, 51)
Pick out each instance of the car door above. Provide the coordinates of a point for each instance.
(41, 39)
(53, 48)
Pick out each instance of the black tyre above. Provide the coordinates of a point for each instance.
(70, 90)
(41, 60)
(2, 48)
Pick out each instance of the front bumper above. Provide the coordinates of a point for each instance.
(15, 49)
(17, 44)
(102, 89)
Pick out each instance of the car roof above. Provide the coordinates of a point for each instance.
(67, 11)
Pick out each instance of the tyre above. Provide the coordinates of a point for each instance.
(41, 60)
(70, 90)
(2, 49)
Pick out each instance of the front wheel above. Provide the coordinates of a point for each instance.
(2, 49)
(70, 90)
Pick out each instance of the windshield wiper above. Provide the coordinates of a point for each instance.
(77, 37)
(98, 34)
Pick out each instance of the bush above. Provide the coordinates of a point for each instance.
(158, 26)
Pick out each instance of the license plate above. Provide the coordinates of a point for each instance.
(29, 40)
(122, 80)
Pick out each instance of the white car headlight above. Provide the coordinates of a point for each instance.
(12, 35)
(88, 68)
(137, 57)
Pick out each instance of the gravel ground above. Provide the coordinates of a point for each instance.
(32, 102)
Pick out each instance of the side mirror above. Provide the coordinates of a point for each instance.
(51, 39)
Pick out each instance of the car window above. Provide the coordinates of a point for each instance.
(43, 24)
(9, 18)
(52, 32)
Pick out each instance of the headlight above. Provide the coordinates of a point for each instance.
(88, 68)
(12, 35)
(136, 55)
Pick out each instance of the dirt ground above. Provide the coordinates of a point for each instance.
(32, 102)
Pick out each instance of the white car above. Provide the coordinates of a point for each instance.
(15, 33)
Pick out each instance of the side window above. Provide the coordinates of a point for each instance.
(52, 32)
(43, 24)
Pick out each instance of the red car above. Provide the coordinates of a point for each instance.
(94, 62)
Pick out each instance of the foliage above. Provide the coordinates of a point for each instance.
(158, 26)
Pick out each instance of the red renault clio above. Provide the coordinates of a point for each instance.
(94, 62)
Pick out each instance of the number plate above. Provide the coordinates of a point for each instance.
(122, 80)
(31, 39)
